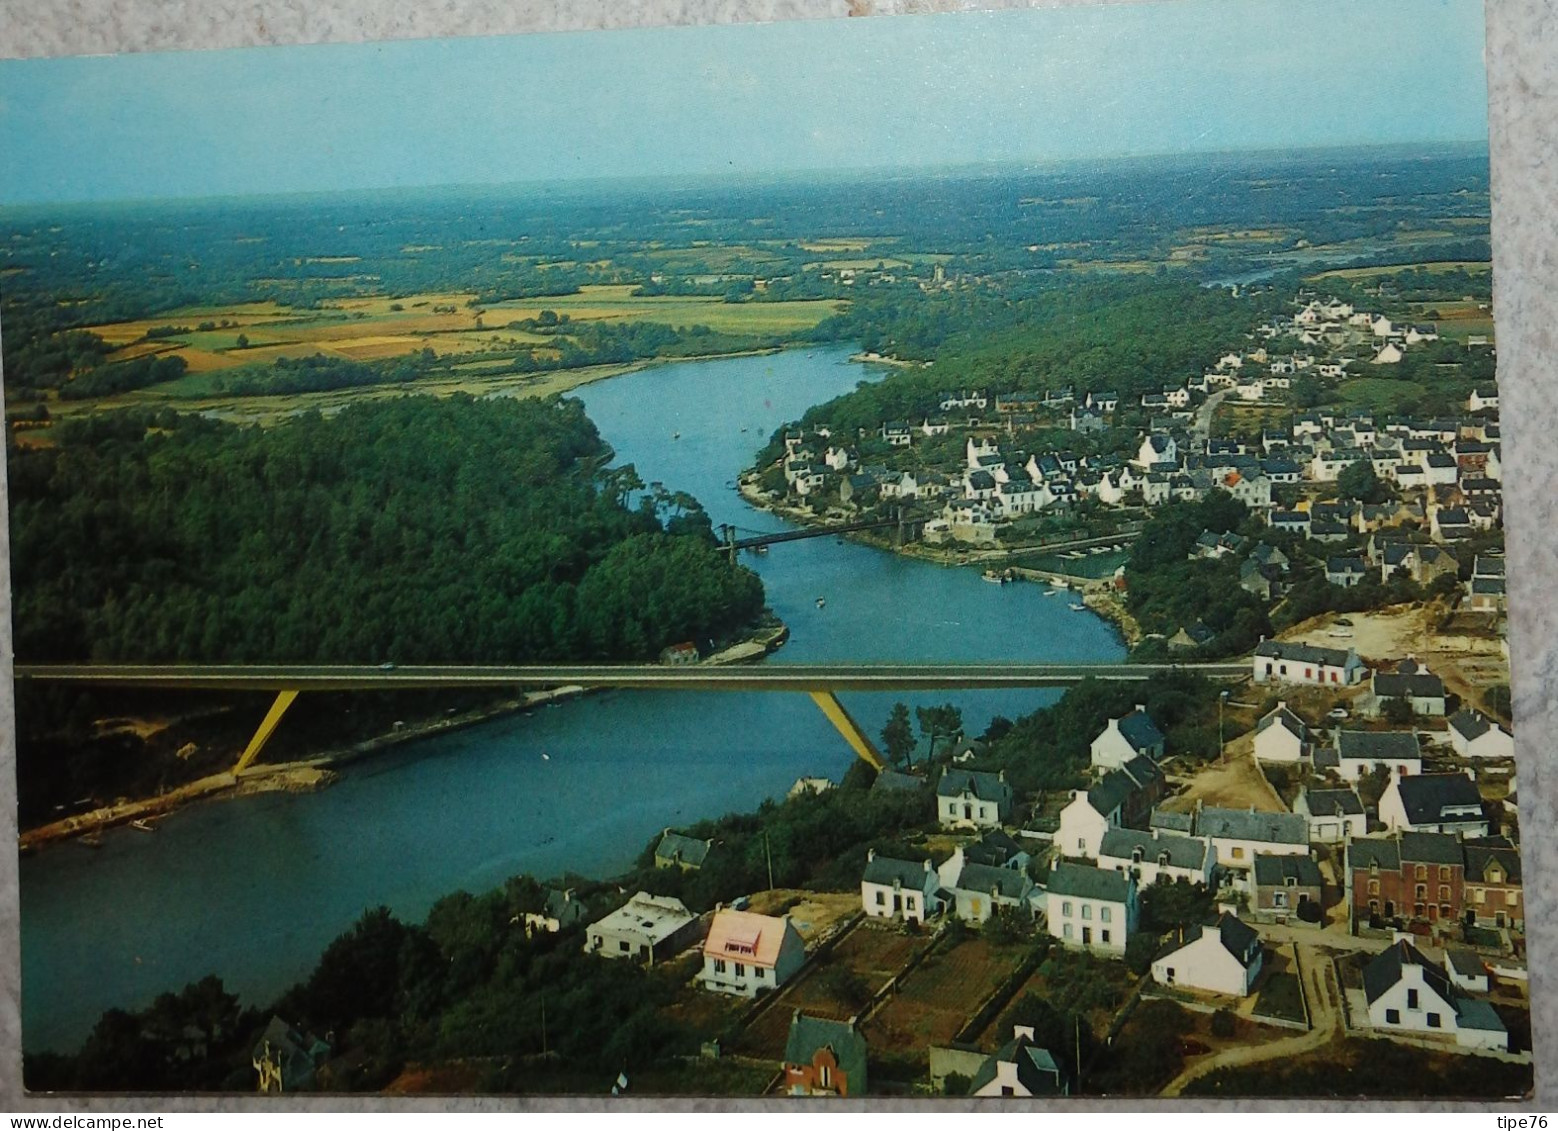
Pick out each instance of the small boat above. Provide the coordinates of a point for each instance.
(1061, 583)
(743, 427)
(676, 435)
(760, 549)
(1077, 608)
(143, 826)
(92, 840)
(1049, 592)
(822, 602)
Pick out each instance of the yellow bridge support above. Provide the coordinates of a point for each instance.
(267, 728)
(848, 727)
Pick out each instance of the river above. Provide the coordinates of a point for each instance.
(253, 889)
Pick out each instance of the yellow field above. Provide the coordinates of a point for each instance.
(836, 245)
(861, 264)
(368, 328)
(1475, 267)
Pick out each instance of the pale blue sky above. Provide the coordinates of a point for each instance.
(1186, 75)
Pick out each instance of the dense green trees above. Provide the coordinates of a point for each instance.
(436, 530)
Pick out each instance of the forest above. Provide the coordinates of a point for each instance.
(411, 530)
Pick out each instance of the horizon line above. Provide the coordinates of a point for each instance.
(706, 178)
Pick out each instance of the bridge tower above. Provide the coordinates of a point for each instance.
(728, 538)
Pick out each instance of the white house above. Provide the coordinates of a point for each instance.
(1434, 803)
(1127, 738)
(1409, 994)
(1280, 736)
(1019, 1068)
(1474, 735)
(978, 889)
(1091, 908)
(1304, 663)
(972, 799)
(1156, 448)
(1335, 815)
(1238, 835)
(1224, 957)
(1482, 399)
(1100, 807)
(648, 928)
(1358, 752)
(1156, 855)
(746, 952)
(899, 889)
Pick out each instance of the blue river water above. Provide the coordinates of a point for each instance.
(252, 890)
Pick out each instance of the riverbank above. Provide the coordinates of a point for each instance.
(307, 775)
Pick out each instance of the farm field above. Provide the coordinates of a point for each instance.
(374, 328)
(1353, 273)
(937, 998)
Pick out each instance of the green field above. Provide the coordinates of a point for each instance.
(1379, 394)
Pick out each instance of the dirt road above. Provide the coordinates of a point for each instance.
(1325, 1017)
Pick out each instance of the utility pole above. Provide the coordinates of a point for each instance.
(1222, 698)
(768, 852)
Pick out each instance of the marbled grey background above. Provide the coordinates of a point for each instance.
(1522, 49)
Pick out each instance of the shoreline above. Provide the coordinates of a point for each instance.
(1096, 592)
(323, 769)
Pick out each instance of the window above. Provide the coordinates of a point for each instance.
(881, 899)
(1411, 999)
(1393, 1017)
(1238, 852)
(1373, 887)
(1421, 873)
(1008, 1090)
(719, 965)
(1444, 871)
(741, 970)
(1104, 935)
(1169, 974)
(825, 1075)
(1065, 931)
(1421, 891)
(1444, 891)
(1279, 899)
(1106, 913)
(908, 903)
(1087, 911)
(1433, 1021)
(1081, 844)
(757, 972)
(623, 946)
(1511, 897)
(1065, 908)
(1480, 895)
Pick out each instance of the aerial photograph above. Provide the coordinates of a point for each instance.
(920, 556)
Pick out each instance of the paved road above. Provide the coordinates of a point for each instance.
(761, 677)
(1201, 423)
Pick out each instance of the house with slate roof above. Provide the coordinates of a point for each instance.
(899, 889)
(823, 1057)
(1281, 736)
(998, 850)
(1276, 662)
(1358, 752)
(1156, 855)
(561, 911)
(976, 890)
(684, 852)
(1283, 885)
(1120, 797)
(1335, 815)
(972, 799)
(1239, 835)
(1220, 957)
(1434, 803)
(1408, 993)
(746, 952)
(1020, 1068)
(1493, 889)
(1127, 738)
(1091, 908)
(1474, 735)
(1407, 876)
(1466, 970)
(1412, 683)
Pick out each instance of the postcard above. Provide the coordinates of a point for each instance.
(924, 556)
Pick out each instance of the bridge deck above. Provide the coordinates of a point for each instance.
(756, 677)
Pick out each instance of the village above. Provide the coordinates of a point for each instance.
(1370, 890)
(1348, 855)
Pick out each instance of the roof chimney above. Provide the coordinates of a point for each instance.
(1023, 1031)
(870, 855)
